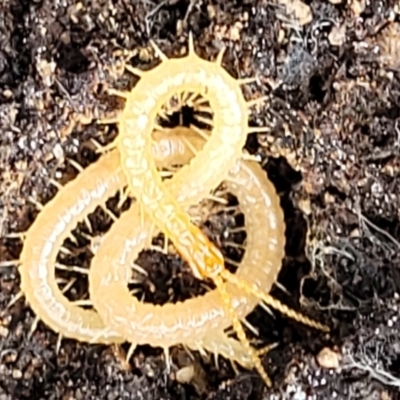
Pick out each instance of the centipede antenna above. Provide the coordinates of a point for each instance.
(130, 352)
(274, 303)
(10, 263)
(296, 316)
(220, 56)
(158, 51)
(135, 71)
(260, 100)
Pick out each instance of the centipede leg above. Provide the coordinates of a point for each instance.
(167, 359)
(158, 51)
(130, 352)
(134, 71)
(103, 149)
(220, 56)
(245, 81)
(258, 129)
(258, 101)
(221, 286)
(39, 206)
(9, 263)
(251, 157)
(58, 344)
(119, 353)
(117, 93)
(15, 299)
(33, 327)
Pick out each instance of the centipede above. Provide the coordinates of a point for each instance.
(133, 162)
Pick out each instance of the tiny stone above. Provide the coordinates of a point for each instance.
(329, 359)
(17, 374)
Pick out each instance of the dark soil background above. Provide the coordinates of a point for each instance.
(333, 154)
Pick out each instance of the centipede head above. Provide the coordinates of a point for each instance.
(204, 264)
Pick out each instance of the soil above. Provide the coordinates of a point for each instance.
(333, 154)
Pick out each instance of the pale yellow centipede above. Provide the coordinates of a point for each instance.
(102, 179)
